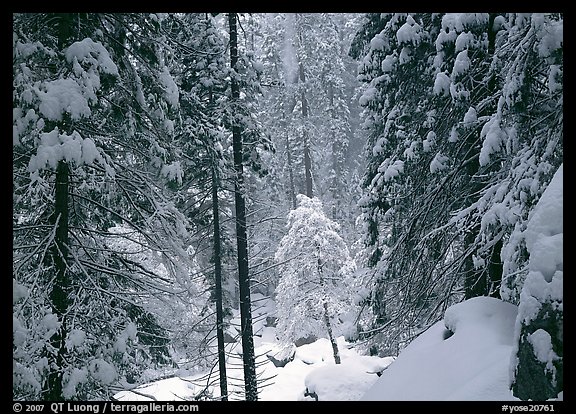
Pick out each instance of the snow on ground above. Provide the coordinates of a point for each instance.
(287, 383)
(472, 364)
(347, 381)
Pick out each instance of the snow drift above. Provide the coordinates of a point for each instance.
(471, 364)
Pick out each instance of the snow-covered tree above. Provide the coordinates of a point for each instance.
(537, 364)
(313, 296)
(95, 110)
(320, 42)
(463, 113)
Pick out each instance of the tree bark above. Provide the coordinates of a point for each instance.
(333, 342)
(474, 279)
(290, 165)
(305, 138)
(59, 295)
(250, 380)
(495, 270)
(331, 335)
(218, 290)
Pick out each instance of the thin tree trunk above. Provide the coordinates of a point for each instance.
(474, 279)
(481, 282)
(495, 270)
(290, 165)
(320, 266)
(305, 137)
(218, 290)
(331, 335)
(308, 166)
(250, 380)
(335, 186)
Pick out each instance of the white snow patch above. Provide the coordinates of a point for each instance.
(478, 262)
(368, 95)
(388, 63)
(173, 171)
(378, 42)
(544, 232)
(102, 371)
(19, 333)
(470, 117)
(445, 37)
(60, 96)
(461, 64)
(50, 322)
(472, 364)
(542, 344)
(75, 338)
(439, 163)
(92, 52)
(464, 41)
(18, 291)
(72, 380)
(55, 147)
(410, 152)
(258, 66)
(492, 136)
(453, 135)
(442, 84)
(170, 88)
(393, 170)
(410, 32)
(555, 79)
(429, 142)
(347, 381)
(552, 37)
(405, 56)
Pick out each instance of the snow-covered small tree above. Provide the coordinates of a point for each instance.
(316, 273)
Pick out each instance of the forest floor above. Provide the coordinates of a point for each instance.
(349, 381)
(465, 356)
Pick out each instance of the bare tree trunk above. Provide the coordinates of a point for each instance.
(308, 166)
(218, 289)
(250, 380)
(482, 282)
(325, 305)
(331, 335)
(495, 270)
(305, 137)
(290, 165)
(475, 283)
(59, 295)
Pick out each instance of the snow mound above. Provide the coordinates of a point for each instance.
(470, 364)
(347, 381)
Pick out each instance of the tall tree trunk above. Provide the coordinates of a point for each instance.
(59, 294)
(218, 289)
(290, 164)
(250, 380)
(482, 282)
(335, 186)
(305, 137)
(308, 166)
